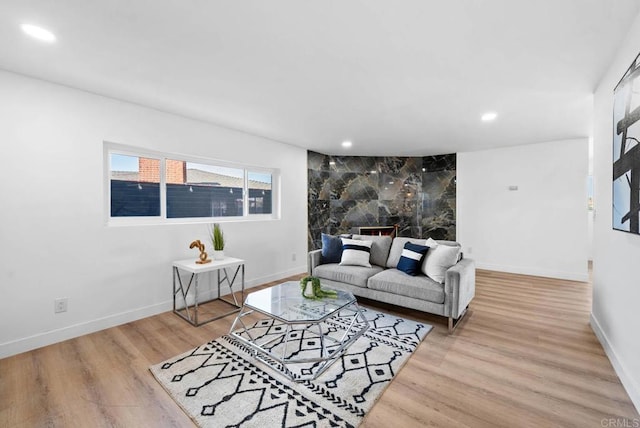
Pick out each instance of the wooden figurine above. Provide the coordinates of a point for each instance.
(203, 255)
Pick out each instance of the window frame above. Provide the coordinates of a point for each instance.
(120, 149)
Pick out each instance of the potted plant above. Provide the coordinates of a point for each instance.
(217, 239)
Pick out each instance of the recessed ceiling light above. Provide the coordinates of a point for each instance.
(489, 116)
(38, 33)
(332, 162)
(346, 144)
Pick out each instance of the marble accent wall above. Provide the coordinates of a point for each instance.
(347, 192)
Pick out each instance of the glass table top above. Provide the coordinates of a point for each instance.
(285, 301)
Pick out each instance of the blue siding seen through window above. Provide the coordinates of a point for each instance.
(184, 201)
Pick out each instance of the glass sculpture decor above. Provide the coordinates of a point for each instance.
(626, 151)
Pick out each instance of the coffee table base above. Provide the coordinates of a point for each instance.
(287, 343)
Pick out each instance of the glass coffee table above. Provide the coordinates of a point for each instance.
(299, 337)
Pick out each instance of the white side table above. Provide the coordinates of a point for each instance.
(190, 312)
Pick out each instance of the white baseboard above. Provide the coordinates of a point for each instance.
(39, 340)
(630, 385)
(571, 276)
(262, 280)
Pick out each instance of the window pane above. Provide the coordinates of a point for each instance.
(201, 190)
(259, 193)
(135, 186)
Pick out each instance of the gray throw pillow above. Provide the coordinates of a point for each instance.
(379, 248)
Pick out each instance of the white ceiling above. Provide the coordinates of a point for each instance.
(396, 77)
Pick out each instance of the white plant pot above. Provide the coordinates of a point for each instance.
(308, 289)
(218, 254)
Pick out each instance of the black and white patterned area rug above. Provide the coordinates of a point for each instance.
(222, 384)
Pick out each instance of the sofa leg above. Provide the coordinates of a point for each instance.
(453, 323)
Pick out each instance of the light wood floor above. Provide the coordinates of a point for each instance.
(525, 356)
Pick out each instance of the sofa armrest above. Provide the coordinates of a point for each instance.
(460, 286)
(313, 260)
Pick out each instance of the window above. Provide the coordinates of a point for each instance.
(166, 187)
(134, 186)
(259, 185)
(203, 190)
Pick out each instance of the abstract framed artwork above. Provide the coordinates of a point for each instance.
(626, 151)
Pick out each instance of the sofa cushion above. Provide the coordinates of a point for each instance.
(396, 250)
(379, 248)
(439, 259)
(354, 275)
(331, 249)
(411, 258)
(355, 252)
(418, 287)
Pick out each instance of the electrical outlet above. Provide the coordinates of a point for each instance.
(60, 305)
(470, 250)
(293, 257)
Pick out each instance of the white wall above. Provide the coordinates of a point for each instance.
(540, 229)
(590, 213)
(54, 242)
(590, 235)
(616, 263)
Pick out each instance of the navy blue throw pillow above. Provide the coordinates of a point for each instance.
(411, 258)
(331, 249)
